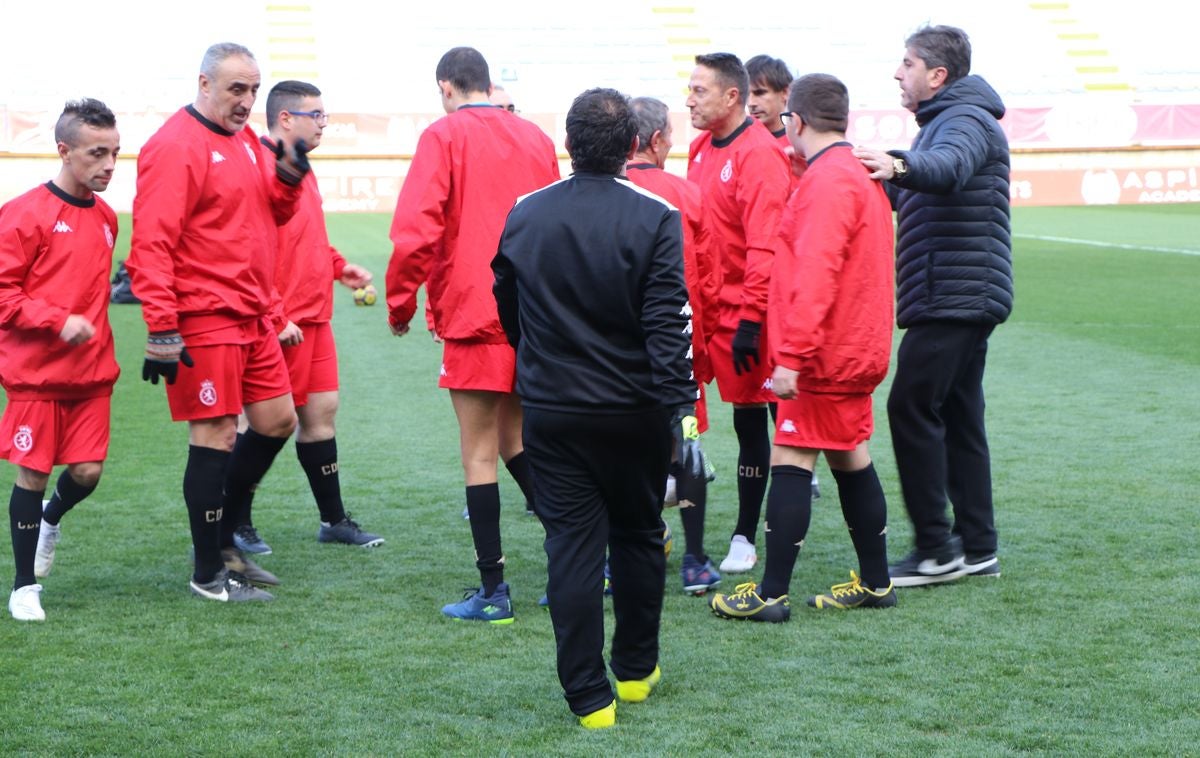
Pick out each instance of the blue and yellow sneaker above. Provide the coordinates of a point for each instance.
(601, 719)
(475, 606)
(746, 603)
(637, 690)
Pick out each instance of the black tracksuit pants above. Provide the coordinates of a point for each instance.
(935, 411)
(599, 484)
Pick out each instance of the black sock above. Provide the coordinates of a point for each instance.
(483, 505)
(252, 456)
(693, 490)
(202, 494)
(67, 494)
(865, 510)
(518, 467)
(789, 510)
(242, 515)
(754, 458)
(25, 522)
(320, 463)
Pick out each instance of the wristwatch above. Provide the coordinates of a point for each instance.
(899, 168)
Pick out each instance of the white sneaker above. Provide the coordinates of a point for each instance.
(742, 556)
(25, 604)
(44, 558)
(670, 498)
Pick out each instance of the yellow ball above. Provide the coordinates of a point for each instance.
(365, 295)
(668, 539)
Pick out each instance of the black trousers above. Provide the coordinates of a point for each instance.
(936, 411)
(599, 484)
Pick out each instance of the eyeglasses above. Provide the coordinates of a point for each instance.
(321, 117)
(787, 116)
(510, 108)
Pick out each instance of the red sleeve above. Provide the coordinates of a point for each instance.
(20, 238)
(169, 180)
(761, 198)
(339, 262)
(825, 217)
(417, 226)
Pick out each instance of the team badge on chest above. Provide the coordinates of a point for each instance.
(108, 236)
(727, 170)
(208, 393)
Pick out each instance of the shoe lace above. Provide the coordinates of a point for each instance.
(852, 587)
(351, 523)
(744, 591)
(248, 533)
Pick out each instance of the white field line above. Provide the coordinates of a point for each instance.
(1114, 245)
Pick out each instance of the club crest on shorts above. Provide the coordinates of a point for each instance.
(23, 439)
(208, 393)
(727, 170)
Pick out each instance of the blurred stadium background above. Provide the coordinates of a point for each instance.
(1102, 101)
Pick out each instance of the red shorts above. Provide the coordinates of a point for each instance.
(312, 365)
(824, 421)
(488, 366)
(749, 388)
(227, 378)
(38, 434)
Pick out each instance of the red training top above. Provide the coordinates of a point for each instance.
(468, 171)
(55, 257)
(202, 257)
(307, 263)
(831, 292)
(701, 265)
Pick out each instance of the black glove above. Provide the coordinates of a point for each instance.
(689, 458)
(745, 346)
(164, 353)
(290, 175)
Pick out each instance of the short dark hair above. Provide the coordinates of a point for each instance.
(943, 47)
(652, 116)
(465, 69)
(730, 72)
(79, 112)
(770, 71)
(600, 130)
(821, 101)
(287, 95)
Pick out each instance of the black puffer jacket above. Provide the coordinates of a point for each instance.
(954, 246)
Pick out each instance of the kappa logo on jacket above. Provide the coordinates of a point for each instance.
(250, 152)
(62, 226)
(217, 157)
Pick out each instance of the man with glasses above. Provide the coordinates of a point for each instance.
(468, 170)
(501, 99)
(305, 266)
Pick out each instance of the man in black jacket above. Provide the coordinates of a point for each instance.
(590, 290)
(954, 285)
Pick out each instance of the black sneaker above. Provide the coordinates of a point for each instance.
(745, 603)
(922, 567)
(982, 565)
(347, 532)
(246, 538)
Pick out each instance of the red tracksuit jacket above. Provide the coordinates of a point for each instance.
(831, 291)
(468, 171)
(744, 181)
(202, 258)
(55, 257)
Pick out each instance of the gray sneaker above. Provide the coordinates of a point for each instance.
(237, 562)
(347, 532)
(229, 587)
(246, 538)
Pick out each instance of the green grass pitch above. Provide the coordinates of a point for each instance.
(1086, 645)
